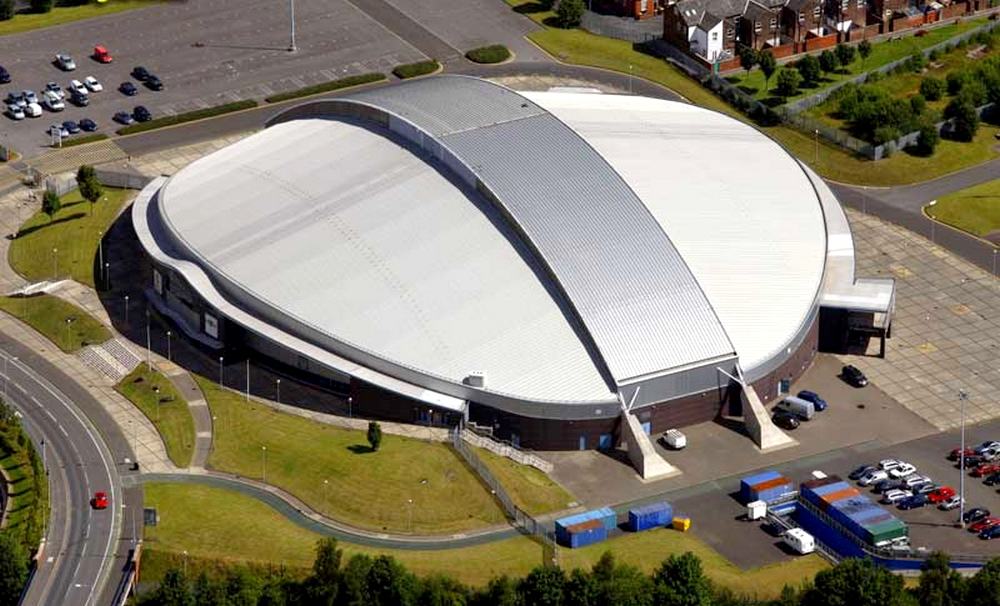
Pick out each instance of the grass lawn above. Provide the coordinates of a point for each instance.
(23, 22)
(530, 489)
(882, 53)
(165, 407)
(218, 525)
(407, 486)
(65, 324)
(975, 210)
(647, 549)
(28, 507)
(74, 232)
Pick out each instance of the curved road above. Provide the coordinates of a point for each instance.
(82, 550)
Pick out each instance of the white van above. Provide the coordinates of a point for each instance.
(799, 540)
(803, 409)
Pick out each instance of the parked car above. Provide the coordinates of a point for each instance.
(975, 514)
(914, 502)
(16, 98)
(140, 73)
(927, 488)
(889, 464)
(941, 494)
(860, 470)
(992, 480)
(955, 452)
(65, 62)
(873, 476)
(76, 85)
(29, 96)
(973, 460)
(985, 469)
(154, 82)
(950, 503)
(128, 89)
(92, 84)
(71, 127)
(813, 397)
(78, 99)
(58, 130)
(53, 102)
(990, 533)
(803, 409)
(853, 376)
(141, 114)
(987, 445)
(903, 470)
(4, 75)
(890, 484)
(14, 111)
(101, 54)
(674, 439)
(87, 125)
(786, 420)
(33, 110)
(895, 496)
(983, 524)
(54, 87)
(123, 117)
(914, 481)
(100, 500)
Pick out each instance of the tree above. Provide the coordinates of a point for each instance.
(680, 581)
(767, 65)
(569, 13)
(845, 54)
(932, 88)
(864, 49)
(51, 204)
(620, 584)
(323, 585)
(809, 69)
(918, 104)
(928, 139)
(388, 583)
(748, 58)
(547, 4)
(174, 590)
(500, 591)
(41, 6)
(581, 589)
(352, 585)
(965, 119)
(91, 191)
(856, 582)
(13, 569)
(983, 589)
(441, 590)
(207, 592)
(543, 586)
(7, 10)
(939, 584)
(788, 82)
(374, 434)
(85, 173)
(828, 62)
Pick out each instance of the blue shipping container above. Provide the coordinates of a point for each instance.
(588, 536)
(606, 515)
(650, 516)
(774, 493)
(831, 488)
(747, 484)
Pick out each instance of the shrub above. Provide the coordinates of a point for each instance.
(934, 55)
(965, 119)
(828, 61)
(412, 70)
(569, 13)
(918, 104)
(809, 68)
(496, 53)
(7, 10)
(41, 6)
(374, 435)
(197, 114)
(927, 140)
(884, 134)
(916, 63)
(788, 82)
(956, 80)
(845, 54)
(932, 88)
(327, 87)
(974, 91)
(874, 77)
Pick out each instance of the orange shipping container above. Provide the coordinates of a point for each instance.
(779, 481)
(833, 497)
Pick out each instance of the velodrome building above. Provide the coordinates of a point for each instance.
(448, 249)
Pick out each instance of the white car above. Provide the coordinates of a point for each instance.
(58, 129)
(54, 87)
(29, 96)
(914, 481)
(65, 62)
(903, 470)
(33, 110)
(873, 476)
(889, 464)
(92, 84)
(76, 85)
(15, 112)
(53, 102)
(951, 503)
(894, 496)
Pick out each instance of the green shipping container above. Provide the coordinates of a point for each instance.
(887, 531)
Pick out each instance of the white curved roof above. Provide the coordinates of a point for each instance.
(337, 227)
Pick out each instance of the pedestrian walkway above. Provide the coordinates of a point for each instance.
(170, 161)
(70, 158)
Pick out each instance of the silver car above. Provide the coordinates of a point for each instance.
(15, 112)
(894, 496)
(65, 62)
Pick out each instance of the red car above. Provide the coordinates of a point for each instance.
(985, 469)
(953, 455)
(101, 54)
(100, 500)
(983, 524)
(941, 494)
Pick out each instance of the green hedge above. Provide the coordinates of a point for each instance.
(84, 139)
(412, 70)
(197, 114)
(495, 53)
(327, 87)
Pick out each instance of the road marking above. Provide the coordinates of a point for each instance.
(63, 430)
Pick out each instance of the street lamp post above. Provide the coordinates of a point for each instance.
(350, 414)
(221, 383)
(962, 396)
(169, 358)
(263, 454)
(409, 516)
(156, 394)
(126, 310)
(100, 250)
(55, 263)
(107, 275)
(291, 17)
(277, 390)
(326, 493)
(248, 380)
(69, 342)
(149, 355)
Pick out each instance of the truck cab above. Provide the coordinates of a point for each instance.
(101, 54)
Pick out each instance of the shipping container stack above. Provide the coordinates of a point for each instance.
(767, 486)
(657, 515)
(853, 511)
(586, 528)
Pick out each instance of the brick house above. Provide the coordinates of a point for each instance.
(845, 14)
(706, 28)
(799, 18)
(759, 26)
(884, 10)
(637, 9)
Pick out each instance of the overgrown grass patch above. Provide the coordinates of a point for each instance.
(326, 87)
(530, 489)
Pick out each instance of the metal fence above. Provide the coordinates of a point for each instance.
(622, 28)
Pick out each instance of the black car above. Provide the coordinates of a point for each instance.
(992, 479)
(860, 471)
(79, 99)
(15, 99)
(971, 461)
(914, 502)
(141, 114)
(975, 514)
(785, 420)
(990, 533)
(4, 75)
(887, 485)
(853, 376)
(87, 125)
(128, 89)
(123, 117)
(140, 73)
(71, 127)
(153, 82)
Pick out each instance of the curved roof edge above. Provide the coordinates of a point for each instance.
(439, 391)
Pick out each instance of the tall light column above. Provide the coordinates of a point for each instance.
(291, 16)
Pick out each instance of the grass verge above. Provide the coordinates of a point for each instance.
(65, 324)
(495, 53)
(408, 485)
(26, 21)
(412, 70)
(975, 210)
(529, 488)
(92, 138)
(217, 527)
(191, 116)
(74, 233)
(327, 87)
(157, 398)
(647, 549)
(28, 499)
